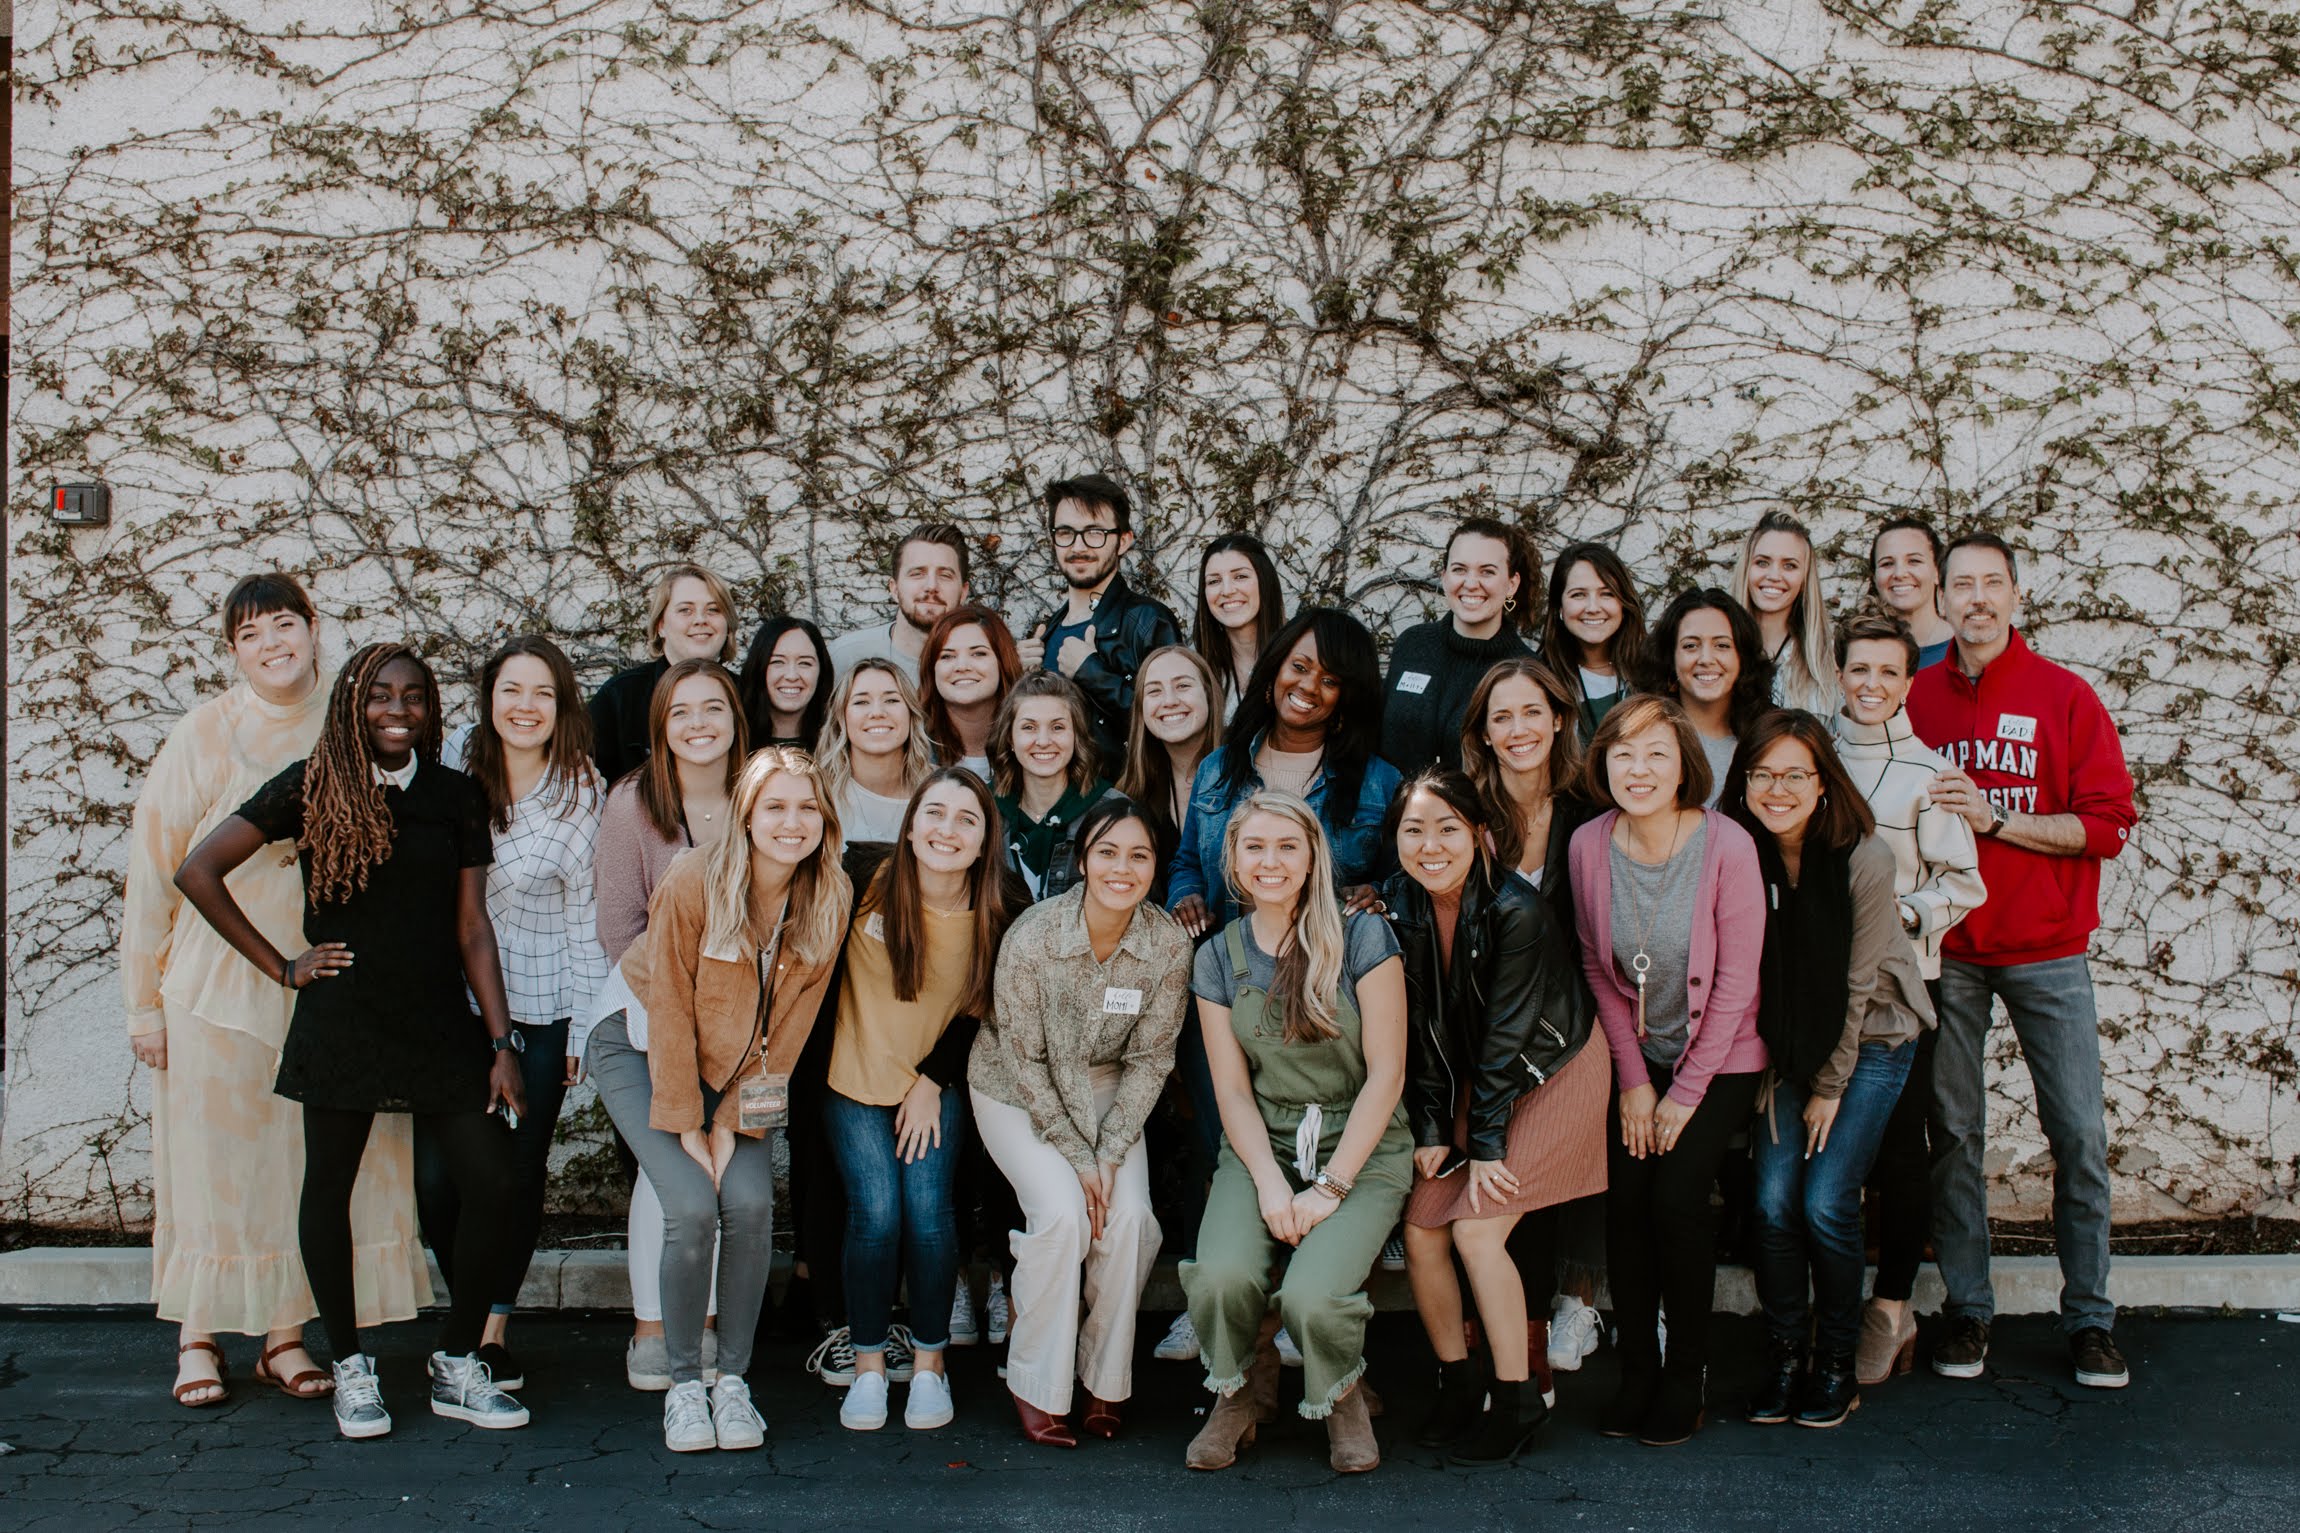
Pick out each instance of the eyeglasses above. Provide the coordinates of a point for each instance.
(1092, 537)
(1796, 780)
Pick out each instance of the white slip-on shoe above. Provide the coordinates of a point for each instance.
(736, 1420)
(928, 1404)
(864, 1409)
(687, 1424)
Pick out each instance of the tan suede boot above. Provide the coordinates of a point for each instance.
(1350, 1443)
(1233, 1421)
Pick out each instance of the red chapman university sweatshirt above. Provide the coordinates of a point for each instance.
(2037, 741)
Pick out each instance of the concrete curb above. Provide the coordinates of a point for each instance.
(80, 1277)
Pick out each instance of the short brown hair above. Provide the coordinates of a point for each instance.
(659, 603)
(1882, 627)
(1634, 717)
(1840, 820)
(943, 535)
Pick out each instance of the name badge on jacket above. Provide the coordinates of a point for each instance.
(1121, 1002)
(1416, 682)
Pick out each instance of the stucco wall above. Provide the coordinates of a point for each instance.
(476, 321)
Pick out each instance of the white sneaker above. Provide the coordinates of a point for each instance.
(1572, 1335)
(1288, 1354)
(864, 1409)
(647, 1363)
(733, 1417)
(962, 1328)
(1394, 1252)
(899, 1347)
(358, 1398)
(463, 1389)
(833, 1360)
(928, 1405)
(1181, 1343)
(687, 1419)
(998, 1314)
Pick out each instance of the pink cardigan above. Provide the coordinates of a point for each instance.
(1728, 941)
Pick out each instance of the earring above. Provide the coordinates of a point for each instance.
(1509, 604)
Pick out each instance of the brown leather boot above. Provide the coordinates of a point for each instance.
(1233, 1421)
(1350, 1444)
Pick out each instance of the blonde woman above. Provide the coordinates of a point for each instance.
(1304, 1017)
(690, 616)
(874, 750)
(1776, 579)
(227, 1154)
(731, 972)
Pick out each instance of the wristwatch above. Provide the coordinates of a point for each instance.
(510, 1043)
(1997, 818)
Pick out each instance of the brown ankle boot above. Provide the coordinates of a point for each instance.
(1231, 1424)
(1350, 1445)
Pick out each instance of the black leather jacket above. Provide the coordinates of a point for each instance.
(1508, 1017)
(1127, 627)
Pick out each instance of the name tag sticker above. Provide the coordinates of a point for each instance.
(2016, 726)
(1416, 682)
(1123, 1003)
(874, 926)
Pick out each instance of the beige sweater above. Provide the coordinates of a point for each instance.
(1937, 871)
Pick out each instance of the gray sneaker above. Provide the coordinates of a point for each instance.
(463, 1389)
(735, 1419)
(358, 1398)
(687, 1419)
(647, 1364)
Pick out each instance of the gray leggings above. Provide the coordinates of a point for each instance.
(740, 1212)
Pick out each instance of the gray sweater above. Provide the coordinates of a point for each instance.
(1887, 1002)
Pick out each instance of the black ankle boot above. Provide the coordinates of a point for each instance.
(1507, 1427)
(1832, 1393)
(1632, 1398)
(1782, 1387)
(1458, 1402)
(1677, 1409)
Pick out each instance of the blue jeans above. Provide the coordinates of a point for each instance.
(2051, 1005)
(896, 1211)
(1809, 1211)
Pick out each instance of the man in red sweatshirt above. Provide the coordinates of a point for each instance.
(2039, 774)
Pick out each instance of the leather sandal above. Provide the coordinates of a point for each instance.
(1101, 1417)
(293, 1388)
(191, 1386)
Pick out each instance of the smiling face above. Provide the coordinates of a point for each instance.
(877, 722)
(1875, 676)
(701, 721)
(1436, 846)
(1076, 524)
(1520, 724)
(1120, 866)
(1477, 581)
(1233, 590)
(787, 820)
(947, 830)
(694, 625)
(1043, 743)
(524, 705)
(966, 670)
(1777, 568)
(1589, 608)
(277, 652)
(1784, 788)
(926, 582)
(1981, 600)
(1906, 576)
(1304, 692)
(1707, 662)
(794, 670)
(1645, 769)
(1273, 860)
(1175, 706)
(397, 706)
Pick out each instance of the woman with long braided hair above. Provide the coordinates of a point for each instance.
(395, 850)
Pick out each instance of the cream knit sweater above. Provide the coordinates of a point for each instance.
(1937, 871)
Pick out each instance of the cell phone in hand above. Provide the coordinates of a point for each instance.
(510, 1116)
(1455, 1159)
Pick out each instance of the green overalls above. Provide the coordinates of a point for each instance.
(1322, 1300)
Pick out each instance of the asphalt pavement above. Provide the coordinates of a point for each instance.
(2207, 1438)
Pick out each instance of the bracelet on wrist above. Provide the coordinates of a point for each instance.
(1331, 1185)
(287, 974)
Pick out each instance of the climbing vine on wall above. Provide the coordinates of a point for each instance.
(479, 314)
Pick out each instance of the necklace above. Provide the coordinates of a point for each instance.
(1641, 962)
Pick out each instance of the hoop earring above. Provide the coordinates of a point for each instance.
(1509, 604)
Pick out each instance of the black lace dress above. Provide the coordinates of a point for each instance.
(394, 1032)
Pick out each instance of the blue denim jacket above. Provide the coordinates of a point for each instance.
(1359, 858)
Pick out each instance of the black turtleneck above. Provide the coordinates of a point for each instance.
(1433, 670)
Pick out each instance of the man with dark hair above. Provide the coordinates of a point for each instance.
(931, 575)
(2039, 774)
(1098, 635)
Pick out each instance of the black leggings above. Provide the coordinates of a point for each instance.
(1533, 1251)
(1660, 1233)
(438, 1209)
(472, 1146)
(1903, 1177)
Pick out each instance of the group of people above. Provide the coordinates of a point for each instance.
(1493, 962)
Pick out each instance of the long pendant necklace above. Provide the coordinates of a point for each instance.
(1641, 961)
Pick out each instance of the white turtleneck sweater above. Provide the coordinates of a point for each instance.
(1937, 871)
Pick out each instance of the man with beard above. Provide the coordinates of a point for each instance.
(931, 571)
(1099, 636)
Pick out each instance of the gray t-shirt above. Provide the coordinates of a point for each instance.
(867, 644)
(1720, 754)
(1657, 903)
(1367, 940)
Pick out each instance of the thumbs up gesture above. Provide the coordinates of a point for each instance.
(1075, 651)
(1032, 649)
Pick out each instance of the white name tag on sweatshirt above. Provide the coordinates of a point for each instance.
(1123, 1003)
(1416, 682)
(2016, 726)
(874, 927)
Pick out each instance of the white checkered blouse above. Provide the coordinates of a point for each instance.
(539, 895)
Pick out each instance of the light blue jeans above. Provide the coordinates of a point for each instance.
(2051, 1005)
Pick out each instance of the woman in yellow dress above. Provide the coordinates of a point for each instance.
(227, 1154)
